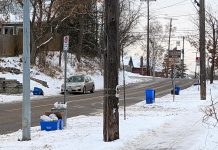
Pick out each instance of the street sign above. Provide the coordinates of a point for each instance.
(198, 61)
(175, 53)
(66, 43)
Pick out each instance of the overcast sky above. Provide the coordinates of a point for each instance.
(182, 12)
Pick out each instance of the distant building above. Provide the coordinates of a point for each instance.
(142, 70)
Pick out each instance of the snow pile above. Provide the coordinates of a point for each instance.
(60, 105)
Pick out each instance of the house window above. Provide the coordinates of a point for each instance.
(8, 30)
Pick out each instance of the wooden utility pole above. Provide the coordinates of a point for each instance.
(148, 49)
(183, 56)
(169, 47)
(202, 51)
(110, 106)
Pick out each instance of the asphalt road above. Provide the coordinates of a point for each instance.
(82, 104)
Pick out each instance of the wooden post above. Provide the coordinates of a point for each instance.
(169, 48)
(183, 56)
(111, 57)
(202, 51)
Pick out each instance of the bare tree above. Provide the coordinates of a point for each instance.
(211, 40)
(7, 7)
(128, 20)
(46, 19)
(157, 39)
(210, 112)
(212, 44)
(129, 17)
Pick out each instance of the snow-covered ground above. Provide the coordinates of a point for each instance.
(160, 126)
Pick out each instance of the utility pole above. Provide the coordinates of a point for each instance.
(148, 49)
(202, 50)
(124, 89)
(196, 63)
(111, 57)
(183, 56)
(26, 108)
(169, 47)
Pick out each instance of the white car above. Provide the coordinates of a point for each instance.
(79, 84)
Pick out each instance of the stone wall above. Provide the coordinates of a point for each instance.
(10, 86)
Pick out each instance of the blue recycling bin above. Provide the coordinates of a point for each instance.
(150, 96)
(51, 125)
(37, 91)
(177, 90)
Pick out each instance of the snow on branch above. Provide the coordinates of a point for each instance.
(210, 113)
(46, 42)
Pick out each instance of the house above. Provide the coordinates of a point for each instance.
(141, 69)
(11, 40)
(11, 28)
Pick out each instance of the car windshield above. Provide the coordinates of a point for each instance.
(76, 79)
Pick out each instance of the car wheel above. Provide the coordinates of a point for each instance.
(84, 90)
(93, 89)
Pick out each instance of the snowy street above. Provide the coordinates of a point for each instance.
(82, 104)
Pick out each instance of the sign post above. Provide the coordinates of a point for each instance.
(65, 48)
(26, 105)
(198, 61)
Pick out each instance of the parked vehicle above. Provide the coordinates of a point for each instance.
(79, 84)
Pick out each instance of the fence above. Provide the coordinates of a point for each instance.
(7, 45)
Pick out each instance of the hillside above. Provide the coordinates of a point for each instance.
(11, 68)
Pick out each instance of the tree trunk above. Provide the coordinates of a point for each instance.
(60, 53)
(213, 55)
(80, 43)
(33, 47)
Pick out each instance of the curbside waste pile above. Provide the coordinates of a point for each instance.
(51, 121)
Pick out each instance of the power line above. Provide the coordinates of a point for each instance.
(205, 11)
(171, 5)
(194, 5)
(182, 15)
(186, 15)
